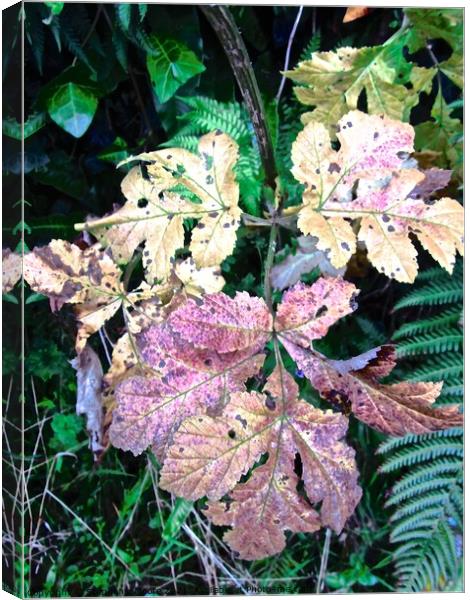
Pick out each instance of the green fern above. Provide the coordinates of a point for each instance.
(427, 499)
(439, 288)
(311, 47)
(207, 115)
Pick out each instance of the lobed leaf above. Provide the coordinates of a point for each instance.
(210, 454)
(389, 197)
(395, 409)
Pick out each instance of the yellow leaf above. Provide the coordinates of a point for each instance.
(333, 81)
(371, 162)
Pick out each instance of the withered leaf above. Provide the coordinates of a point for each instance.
(151, 215)
(307, 312)
(306, 258)
(371, 161)
(89, 380)
(395, 409)
(209, 456)
(11, 269)
(210, 177)
(184, 381)
(223, 323)
(89, 279)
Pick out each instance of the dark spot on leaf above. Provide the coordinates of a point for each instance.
(231, 434)
(321, 311)
(270, 402)
(142, 203)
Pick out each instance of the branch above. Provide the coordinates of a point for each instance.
(227, 31)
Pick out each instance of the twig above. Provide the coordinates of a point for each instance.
(90, 32)
(289, 47)
(88, 528)
(227, 31)
(215, 558)
(324, 561)
(103, 342)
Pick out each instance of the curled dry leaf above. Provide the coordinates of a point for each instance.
(88, 278)
(395, 409)
(356, 12)
(370, 160)
(306, 258)
(11, 269)
(89, 379)
(210, 454)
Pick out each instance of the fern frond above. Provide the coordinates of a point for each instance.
(448, 317)
(311, 47)
(207, 114)
(444, 340)
(433, 294)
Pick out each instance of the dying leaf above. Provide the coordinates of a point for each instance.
(333, 82)
(65, 273)
(150, 215)
(11, 269)
(89, 378)
(434, 180)
(183, 381)
(307, 312)
(88, 278)
(395, 409)
(370, 161)
(210, 177)
(356, 12)
(197, 282)
(210, 454)
(224, 324)
(306, 258)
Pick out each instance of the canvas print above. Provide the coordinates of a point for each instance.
(232, 299)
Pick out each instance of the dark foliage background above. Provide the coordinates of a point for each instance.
(99, 529)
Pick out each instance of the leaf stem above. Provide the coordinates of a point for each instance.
(268, 266)
(227, 31)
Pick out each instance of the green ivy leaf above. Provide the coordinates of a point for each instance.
(12, 128)
(115, 153)
(73, 107)
(170, 66)
(56, 7)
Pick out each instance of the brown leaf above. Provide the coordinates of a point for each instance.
(209, 455)
(395, 409)
(89, 378)
(356, 12)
